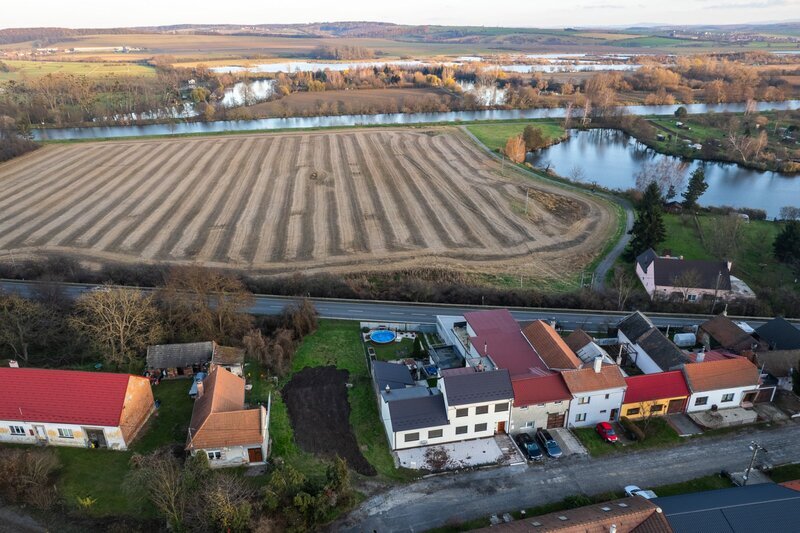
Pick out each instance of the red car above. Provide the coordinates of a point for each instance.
(606, 432)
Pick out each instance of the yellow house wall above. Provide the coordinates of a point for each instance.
(645, 407)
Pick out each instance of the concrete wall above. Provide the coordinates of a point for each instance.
(647, 279)
(715, 398)
(231, 456)
(138, 407)
(113, 435)
(597, 410)
(530, 417)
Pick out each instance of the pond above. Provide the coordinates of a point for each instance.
(100, 132)
(612, 159)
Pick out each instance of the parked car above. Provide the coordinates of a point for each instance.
(529, 447)
(548, 443)
(633, 490)
(606, 432)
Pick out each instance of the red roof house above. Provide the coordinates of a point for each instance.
(499, 337)
(72, 408)
(655, 394)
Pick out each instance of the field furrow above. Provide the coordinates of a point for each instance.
(274, 217)
(351, 214)
(299, 233)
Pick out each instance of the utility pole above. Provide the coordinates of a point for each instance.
(716, 292)
(526, 201)
(756, 447)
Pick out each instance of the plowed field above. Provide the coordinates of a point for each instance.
(352, 200)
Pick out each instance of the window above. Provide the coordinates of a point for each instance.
(539, 405)
(500, 407)
(604, 411)
(480, 427)
(608, 396)
(17, 430)
(581, 417)
(481, 409)
(702, 400)
(692, 298)
(461, 413)
(434, 433)
(65, 433)
(461, 430)
(584, 400)
(632, 411)
(528, 424)
(656, 408)
(727, 397)
(411, 437)
(212, 456)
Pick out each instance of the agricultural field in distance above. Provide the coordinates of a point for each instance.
(34, 69)
(314, 201)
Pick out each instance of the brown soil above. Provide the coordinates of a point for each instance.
(316, 399)
(347, 201)
(345, 102)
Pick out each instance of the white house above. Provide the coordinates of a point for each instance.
(466, 404)
(597, 393)
(72, 408)
(721, 384)
(649, 349)
(221, 426)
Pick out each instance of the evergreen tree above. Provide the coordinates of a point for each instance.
(787, 244)
(533, 138)
(648, 231)
(697, 186)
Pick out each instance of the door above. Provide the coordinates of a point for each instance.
(41, 433)
(255, 455)
(501, 427)
(614, 414)
(96, 437)
(555, 420)
(675, 406)
(749, 397)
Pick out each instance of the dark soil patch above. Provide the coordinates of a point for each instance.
(320, 414)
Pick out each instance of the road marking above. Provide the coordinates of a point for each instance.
(354, 311)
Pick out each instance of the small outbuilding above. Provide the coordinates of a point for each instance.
(186, 359)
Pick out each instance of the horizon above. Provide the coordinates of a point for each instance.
(615, 14)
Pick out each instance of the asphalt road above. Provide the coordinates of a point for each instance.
(412, 313)
(437, 501)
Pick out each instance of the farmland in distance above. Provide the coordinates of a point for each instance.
(309, 201)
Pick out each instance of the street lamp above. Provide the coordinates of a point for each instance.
(755, 447)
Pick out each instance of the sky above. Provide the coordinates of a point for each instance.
(519, 13)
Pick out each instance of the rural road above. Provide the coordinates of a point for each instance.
(437, 501)
(611, 257)
(415, 313)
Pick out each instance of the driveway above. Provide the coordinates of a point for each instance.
(437, 501)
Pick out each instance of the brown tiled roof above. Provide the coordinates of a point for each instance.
(577, 340)
(717, 375)
(629, 515)
(723, 330)
(550, 346)
(219, 417)
(586, 379)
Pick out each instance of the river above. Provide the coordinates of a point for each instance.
(612, 159)
(101, 132)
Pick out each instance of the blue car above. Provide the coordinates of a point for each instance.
(548, 443)
(529, 447)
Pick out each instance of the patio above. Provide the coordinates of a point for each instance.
(452, 456)
(736, 416)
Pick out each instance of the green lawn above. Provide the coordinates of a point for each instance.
(394, 350)
(496, 134)
(659, 433)
(785, 473)
(754, 262)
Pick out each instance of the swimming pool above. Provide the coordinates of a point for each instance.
(382, 336)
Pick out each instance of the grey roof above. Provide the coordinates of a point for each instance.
(396, 376)
(645, 258)
(416, 413)
(779, 363)
(780, 334)
(669, 269)
(762, 507)
(404, 394)
(179, 355)
(478, 387)
(635, 325)
(662, 351)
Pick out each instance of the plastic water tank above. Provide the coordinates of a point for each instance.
(685, 340)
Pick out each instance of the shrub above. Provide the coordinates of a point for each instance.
(632, 428)
(26, 477)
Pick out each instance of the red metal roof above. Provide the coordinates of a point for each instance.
(67, 396)
(499, 335)
(656, 387)
(539, 389)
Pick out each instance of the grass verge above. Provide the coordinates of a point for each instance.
(659, 433)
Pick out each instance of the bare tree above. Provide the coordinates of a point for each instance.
(159, 477)
(789, 212)
(665, 172)
(724, 236)
(624, 283)
(568, 115)
(577, 174)
(686, 281)
(119, 322)
(24, 322)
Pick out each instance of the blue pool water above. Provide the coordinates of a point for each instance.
(382, 336)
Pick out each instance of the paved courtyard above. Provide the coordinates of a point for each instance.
(452, 456)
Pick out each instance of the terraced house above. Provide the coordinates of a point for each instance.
(655, 395)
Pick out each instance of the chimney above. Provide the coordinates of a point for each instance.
(613, 528)
(730, 265)
(485, 348)
(388, 389)
(199, 389)
(598, 364)
(701, 355)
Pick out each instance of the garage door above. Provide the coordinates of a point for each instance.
(555, 420)
(675, 406)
